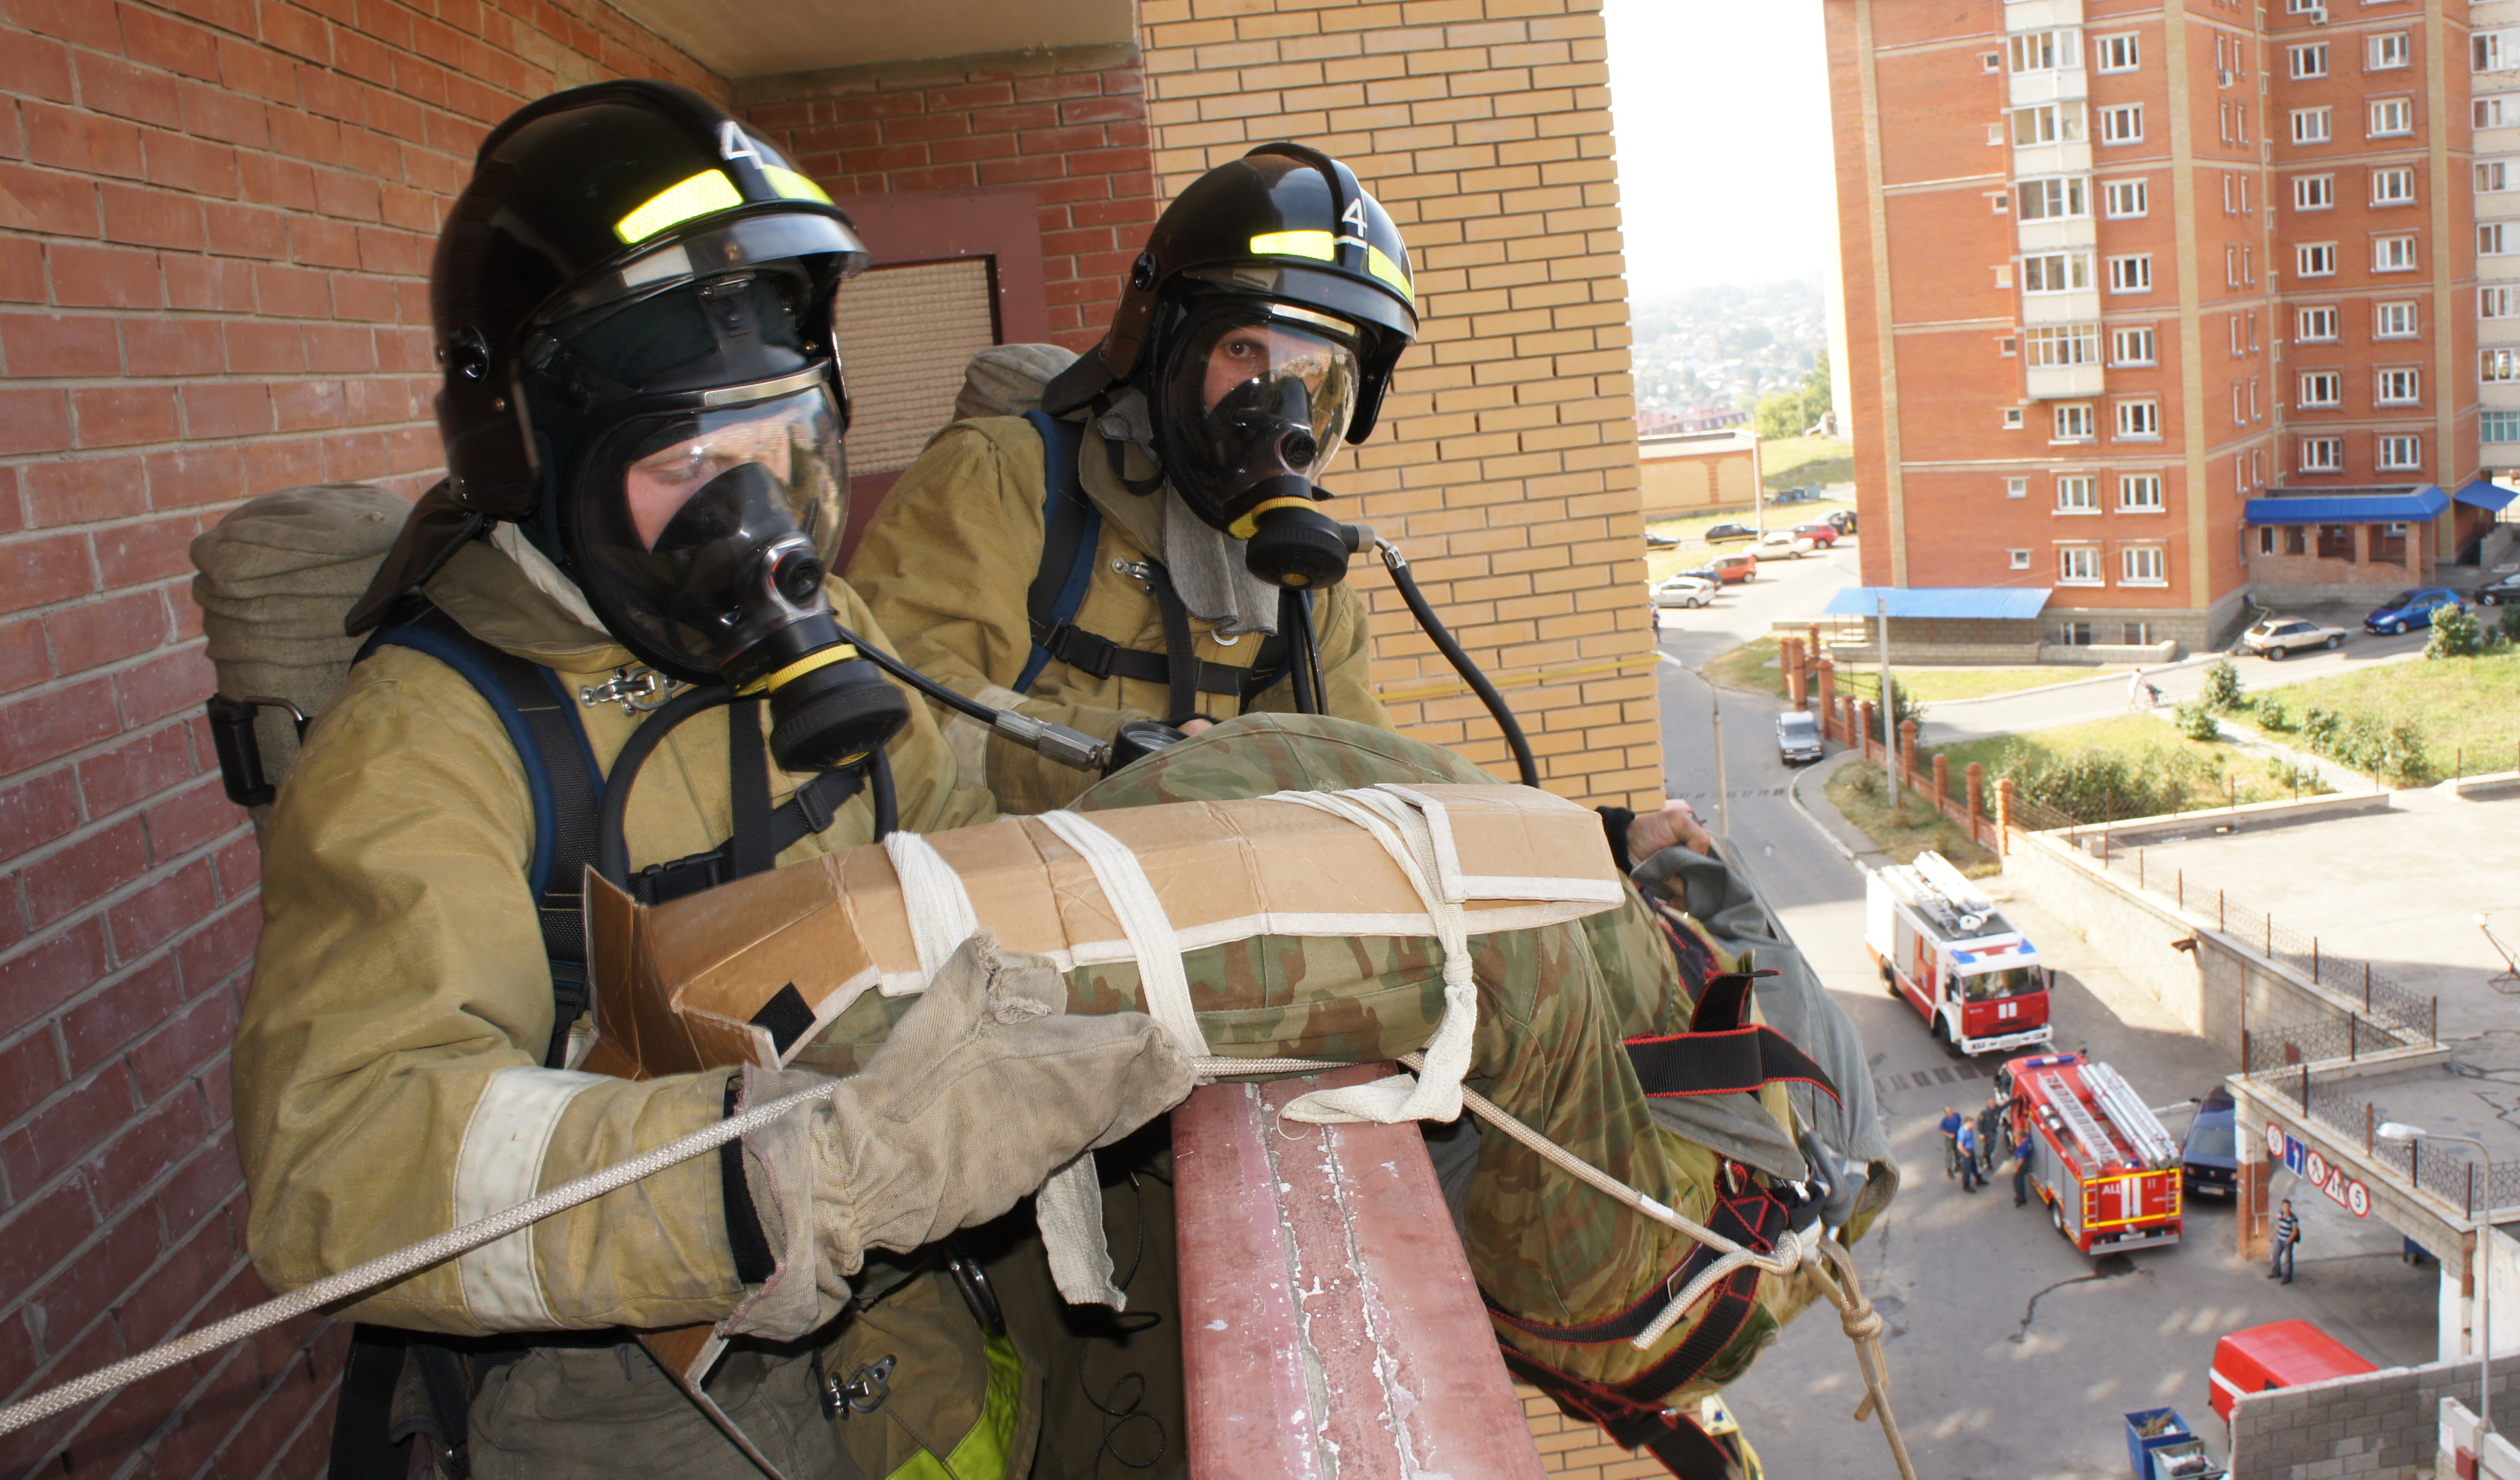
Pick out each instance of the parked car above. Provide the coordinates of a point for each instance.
(1737, 566)
(2210, 1162)
(1658, 541)
(1818, 532)
(1842, 521)
(2277, 638)
(1785, 545)
(2412, 609)
(1685, 590)
(2496, 593)
(1717, 534)
(1797, 737)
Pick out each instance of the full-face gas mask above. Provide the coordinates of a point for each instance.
(1252, 404)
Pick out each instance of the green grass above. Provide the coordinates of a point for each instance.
(1861, 795)
(2195, 774)
(1784, 462)
(2469, 707)
(1753, 667)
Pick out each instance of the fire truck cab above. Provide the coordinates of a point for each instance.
(2104, 1166)
(1946, 950)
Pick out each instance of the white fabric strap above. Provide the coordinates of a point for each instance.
(498, 1165)
(1407, 823)
(1163, 988)
(941, 916)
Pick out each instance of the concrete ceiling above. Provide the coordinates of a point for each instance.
(752, 38)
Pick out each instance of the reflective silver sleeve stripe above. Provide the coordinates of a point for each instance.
(499, 1165)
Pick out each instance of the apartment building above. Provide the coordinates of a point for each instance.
(2125, 282)
(2494, 50)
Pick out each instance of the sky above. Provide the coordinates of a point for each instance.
(1721, 111)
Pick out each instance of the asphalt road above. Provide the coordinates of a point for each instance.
(2014, 1355)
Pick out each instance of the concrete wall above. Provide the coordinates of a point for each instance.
(2383, 1425)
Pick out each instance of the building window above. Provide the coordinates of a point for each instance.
(2336, 542)
(2012, 418)
(2314, 326)
(2078, 565)
(2490, 112)
(2393, 187)
(2052, 346)
(2142, 565)
(2062, 199)
(2056, 272)
(2493, 177)
(2499, 426)
(2308, 61)
(2490, 237)
(2493, 302)
(2016, 488)
(2266, 539)
(2122, 198)
(2492, 51)
(2077, 495)
(2131, 346)
(2314, 192)
(2139, 491)
(2394, 253)
(2316, 260)
(2019, 560)
(2139, 419)
(2312, 125)
(2392, 116)
(2131, 274)
(2045, 51)
(2117, 54)
(1990, 62)
(2049, 124)
(2007, 346)
(2136, 634)
(2400, 452)
(2499, 367)
(2321, 388)
(2384, 51)
(2323, 454)
(2075, 422)
(2397, 388)
(2122, 124)
(2074, 633)
(2392, 321)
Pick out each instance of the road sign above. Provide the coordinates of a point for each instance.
(2315, 1168)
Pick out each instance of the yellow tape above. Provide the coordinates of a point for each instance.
(702, 194)
(838, 653)
(1521, 681)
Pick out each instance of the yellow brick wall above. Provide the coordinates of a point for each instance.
(1506, 464)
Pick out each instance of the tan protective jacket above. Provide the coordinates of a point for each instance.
(948, 566)
(388, 1068)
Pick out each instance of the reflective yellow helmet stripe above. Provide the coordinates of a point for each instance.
(705, 193)
(793, 186)
(1323, 247)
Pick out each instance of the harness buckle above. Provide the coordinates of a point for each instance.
(637, 689)
(864, 1390)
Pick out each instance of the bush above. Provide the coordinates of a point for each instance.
(2094, 786)
(2397, 753)
(2318, 726)
(2509, 625)
(2455, 634)
(2196, 721)
(2222, 691)
(2271, 713)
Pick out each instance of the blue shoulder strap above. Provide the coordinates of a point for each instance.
(1071, 527)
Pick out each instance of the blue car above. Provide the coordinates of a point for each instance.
(2412, 609)
(2210, 1162)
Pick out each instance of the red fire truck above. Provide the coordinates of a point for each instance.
(2106, 1169)
(1944, 947)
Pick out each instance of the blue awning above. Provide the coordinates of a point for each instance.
(2364, 506)
(2487, 496)
(1994, 604)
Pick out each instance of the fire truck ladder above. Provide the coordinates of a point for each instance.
(2153, 1146)
(2098, 1148)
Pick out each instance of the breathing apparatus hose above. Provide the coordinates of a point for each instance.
(1065, 745)
(1433, 626)
(612, 844)
(888, 806)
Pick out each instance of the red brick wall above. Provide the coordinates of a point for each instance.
(215, 217)
(1070, 124)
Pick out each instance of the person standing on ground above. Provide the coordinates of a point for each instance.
(1951, 1129)
(1966, 1138)
(2287, 1234)
(2021, 1168)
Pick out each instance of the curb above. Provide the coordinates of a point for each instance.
(1794, 795)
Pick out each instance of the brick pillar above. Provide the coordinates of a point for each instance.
(1976, 799)
(1942, 783)
(1872, 736)
(1908, 751)
(2004, 816)
(1827, 692)
(1789, 657)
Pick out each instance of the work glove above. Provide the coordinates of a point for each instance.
(985, 1086)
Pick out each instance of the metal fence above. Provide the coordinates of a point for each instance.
(2448, 1171)
(2403, 1014)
